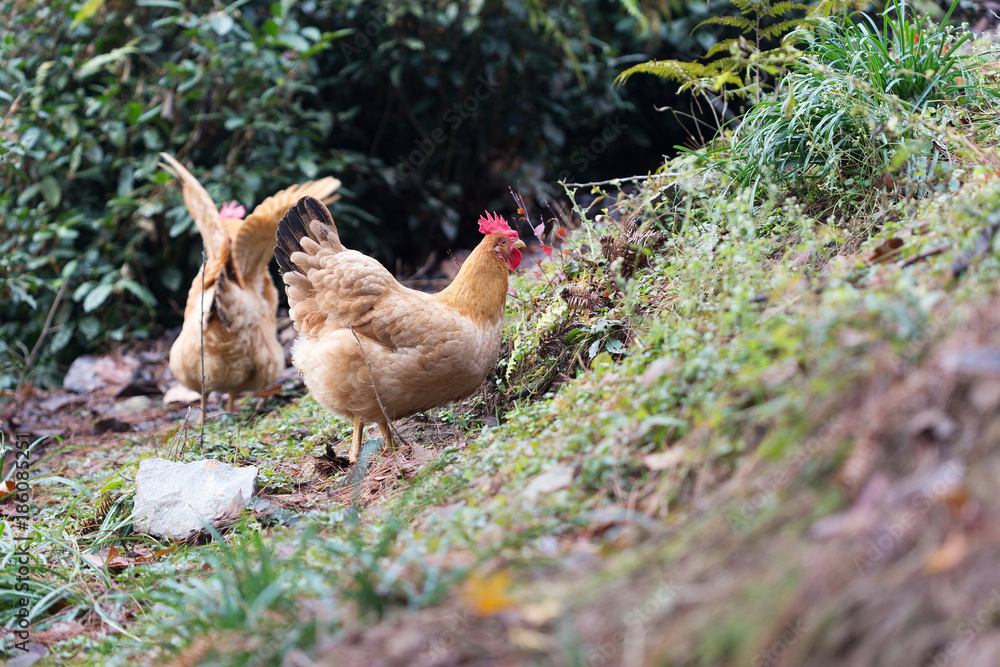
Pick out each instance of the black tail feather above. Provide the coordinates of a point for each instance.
(294, 225)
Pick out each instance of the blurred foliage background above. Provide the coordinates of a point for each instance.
(427, 111)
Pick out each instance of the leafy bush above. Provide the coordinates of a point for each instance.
(90, 245)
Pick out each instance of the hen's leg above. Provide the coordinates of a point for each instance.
(232, 399)
(390, 446)
(352, 456)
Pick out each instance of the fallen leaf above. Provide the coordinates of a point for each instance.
(59, 632)
(487, 596)
(886, 251)
(6, 488)
(540, 613)
(947, 556)
(421, 454)
(116, 562)
(663, 460)
(530, 640)
(57, 401)
(34, 653)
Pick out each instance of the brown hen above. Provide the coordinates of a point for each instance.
(373, 350)
(232, 301)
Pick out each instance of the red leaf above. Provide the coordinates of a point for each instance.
(547, 250)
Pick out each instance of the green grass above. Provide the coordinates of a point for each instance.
(867, 108)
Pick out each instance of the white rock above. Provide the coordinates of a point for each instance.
(176, 500)
(555, 478)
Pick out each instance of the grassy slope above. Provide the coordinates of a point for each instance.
(791, 463)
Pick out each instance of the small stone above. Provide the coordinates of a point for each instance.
(554, 479)
(176, 500)
(82, 376)
(129, 407)
(57, 402)
(112, 424)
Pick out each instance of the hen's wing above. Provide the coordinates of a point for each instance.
(201, 207)
(331, 288)
(253, 244)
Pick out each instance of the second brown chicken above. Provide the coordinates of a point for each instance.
(229, 339)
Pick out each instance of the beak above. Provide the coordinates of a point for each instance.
(518, 243)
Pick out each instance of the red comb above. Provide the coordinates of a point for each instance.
(492, 223)
(232, 210)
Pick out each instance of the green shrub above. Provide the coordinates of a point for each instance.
(90, 245)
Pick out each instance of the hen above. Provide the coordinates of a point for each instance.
(232, 301)
(373, 350)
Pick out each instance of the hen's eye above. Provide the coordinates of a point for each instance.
(503, 241)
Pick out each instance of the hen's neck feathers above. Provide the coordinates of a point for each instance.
(479, 291)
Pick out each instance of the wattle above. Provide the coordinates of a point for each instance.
(514, 258)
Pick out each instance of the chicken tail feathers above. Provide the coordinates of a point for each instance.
(254, 241)
(310, 219)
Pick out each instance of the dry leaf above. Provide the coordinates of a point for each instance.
(528, 639)
(663, 460)
(540, 613)
(487, 596)
(117, 562)
(59, 632)
(7, 488)
(421, 454)
(947, 556)
(886, 251)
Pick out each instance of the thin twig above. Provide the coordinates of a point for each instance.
(962, 264)
(924, 255)
(378, 399)
(618, 181)
(48, 321)
(201, 324)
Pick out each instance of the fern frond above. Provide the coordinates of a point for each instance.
(716, 67)
(722, 46)
(828, 8)
(633, 9)
(90, 8)
(782, 8)
(99, 61)
(780, 28)
(748, 6)
(742, 23)
(673, 70)
(41, 76)
(727, 78)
